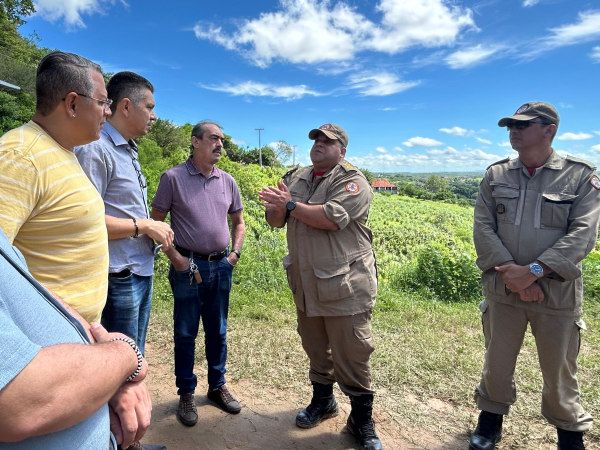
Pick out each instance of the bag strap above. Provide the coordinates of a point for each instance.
(44, 293)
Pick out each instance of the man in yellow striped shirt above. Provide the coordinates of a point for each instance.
(50, 211)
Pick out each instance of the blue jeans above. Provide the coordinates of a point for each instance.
(208, 300)
(128, 307)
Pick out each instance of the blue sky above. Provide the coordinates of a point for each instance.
(419, 85)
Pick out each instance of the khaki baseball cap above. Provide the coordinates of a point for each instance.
(332, 131)
(533, 110)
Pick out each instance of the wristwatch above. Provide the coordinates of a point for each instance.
(536, 269)
(290, 206)
(237, 252)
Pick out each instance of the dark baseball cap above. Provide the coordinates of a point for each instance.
(332, 131)
(533, 110)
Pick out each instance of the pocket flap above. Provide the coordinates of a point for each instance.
(505, 192)
(332, 270)
(287, 261)
(559, 198)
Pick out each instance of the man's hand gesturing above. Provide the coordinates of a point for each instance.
(275, 198)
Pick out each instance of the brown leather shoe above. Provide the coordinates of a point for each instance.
(139, 446)
(223, 398)
(187, 410)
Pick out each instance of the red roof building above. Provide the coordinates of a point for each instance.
(384, 186)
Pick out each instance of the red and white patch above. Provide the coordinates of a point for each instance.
(522, 109)
(353, 187)
(327, 126)
(594, 180)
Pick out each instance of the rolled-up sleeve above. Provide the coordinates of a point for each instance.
(490, 249)
(348, 199)
(566, 254)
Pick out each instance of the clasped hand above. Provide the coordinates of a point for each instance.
(519, 279)
(275, 198)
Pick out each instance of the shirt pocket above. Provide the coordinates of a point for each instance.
(555, 210)
(507, 201)
(333, 282)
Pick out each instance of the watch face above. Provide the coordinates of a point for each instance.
(290, 205)
(536, 269)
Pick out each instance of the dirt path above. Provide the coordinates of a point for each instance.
(267, 422)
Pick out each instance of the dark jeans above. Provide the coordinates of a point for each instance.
(128, 307)
(208, 300)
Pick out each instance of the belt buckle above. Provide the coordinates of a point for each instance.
(210, 257)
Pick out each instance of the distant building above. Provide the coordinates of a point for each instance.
(384, 186)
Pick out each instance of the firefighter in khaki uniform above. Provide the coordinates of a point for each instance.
(536, 218)
(331, 272)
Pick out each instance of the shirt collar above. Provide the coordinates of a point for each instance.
(193, 170)
(118, 140)
(554, 161)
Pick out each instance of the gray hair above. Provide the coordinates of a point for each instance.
(127, 85)
(60, 73)
(200, 128)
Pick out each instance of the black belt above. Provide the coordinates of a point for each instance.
(122, 274)
(214, 256)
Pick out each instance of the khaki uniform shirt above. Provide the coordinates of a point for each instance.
(331, 273)
(551, 216)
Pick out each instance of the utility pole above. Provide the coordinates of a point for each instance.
(259, 147)
(294, 147)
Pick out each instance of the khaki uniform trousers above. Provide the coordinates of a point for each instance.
(557, 340)
(339, 348)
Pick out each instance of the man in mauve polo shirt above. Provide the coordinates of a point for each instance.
(199, 197)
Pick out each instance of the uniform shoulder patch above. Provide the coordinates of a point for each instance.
(347, 166)
(352, 187)
(595, 182)
(580, 161)
(507, 159)
(291, 171)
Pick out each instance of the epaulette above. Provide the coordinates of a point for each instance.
(291, 171)
(580, 161)
(347, 166)
(499, 162)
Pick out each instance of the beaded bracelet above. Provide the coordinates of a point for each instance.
(135, 348)
(137, 230)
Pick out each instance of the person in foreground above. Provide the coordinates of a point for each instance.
(536, 218)
(56, 392)
(50, 210)
(111, 164)
(199, 197)
(332, 275)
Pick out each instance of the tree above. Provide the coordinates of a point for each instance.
(252, 156)
(435, 183)
(368, 175)
(169, 136)
(283, 152)
(15, 110)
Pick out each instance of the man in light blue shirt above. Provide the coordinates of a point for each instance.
(111, 164)
(50, 399)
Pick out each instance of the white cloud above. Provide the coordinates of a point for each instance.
(71, 10)
(314, 31)
(596, 149)
(574, 136)
(238, 142)
(595, 55)
(397, 149)
(471, 56)
(435, 159)
(388, 109)
(379, 84)
(505, 144)
(455, 131)
(483, 141)
(564, 105)
(528, 3)
(381, 150)
(421, 142)
(596, 132)
(254, 89)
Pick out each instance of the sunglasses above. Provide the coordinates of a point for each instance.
(522, 124)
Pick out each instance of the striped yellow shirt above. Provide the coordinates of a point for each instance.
(52, 213)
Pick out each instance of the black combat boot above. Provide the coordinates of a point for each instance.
(570, 440)
(488, 432)
(322, 406)
(360, 422)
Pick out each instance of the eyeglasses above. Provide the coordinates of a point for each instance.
(104, 103)
(522, 124)
(138, 170)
